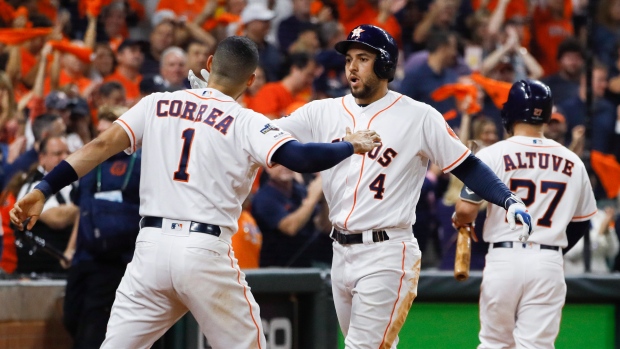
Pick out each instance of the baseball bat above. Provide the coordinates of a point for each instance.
(463, 255)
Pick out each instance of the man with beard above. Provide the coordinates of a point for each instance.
(565, 83)
(372, 198)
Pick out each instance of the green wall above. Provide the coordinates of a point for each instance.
(456, 326)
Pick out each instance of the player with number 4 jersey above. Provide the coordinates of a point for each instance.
(523, 287)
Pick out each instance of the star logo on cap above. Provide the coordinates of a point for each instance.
(355, 34)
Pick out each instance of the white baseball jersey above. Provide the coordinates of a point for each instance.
(412, 133)
(201, 152)
(550, 179)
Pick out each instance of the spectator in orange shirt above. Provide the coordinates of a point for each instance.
(273, 99)
(355, 12)
(551, 25)
(69, 72)
(129, 57)
(247, 242)
(183, 8)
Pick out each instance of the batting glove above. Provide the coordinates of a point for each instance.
(195, 82)
(517, 210)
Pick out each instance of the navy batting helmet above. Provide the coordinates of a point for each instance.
(378, 40)
(529, 101)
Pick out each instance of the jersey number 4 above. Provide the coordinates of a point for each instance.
(545, 187)
(181, 174)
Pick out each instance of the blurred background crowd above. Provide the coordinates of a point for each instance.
(69, 68)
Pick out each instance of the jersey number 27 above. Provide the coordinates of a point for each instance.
(545, 187)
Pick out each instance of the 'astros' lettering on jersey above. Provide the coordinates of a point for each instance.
(411, 133)
(199, 148)
(550, 179)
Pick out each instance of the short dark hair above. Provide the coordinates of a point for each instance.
(44, 142)
(42, 123)
(438, 39)
(299, 60)
(571, 45)
(107, 88)
(235, 59)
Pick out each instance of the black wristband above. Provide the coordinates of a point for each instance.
(45, 188)
(60, 177)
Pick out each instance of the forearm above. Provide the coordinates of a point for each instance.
(292, 223)
(493, 59)
(59, 217)
(497, 18)
(534, 69)
(481, 180)
(73, 239)
(90, 37)
(110, 142)
(312, 157)
(420, 33)
(13, 65)
(55, 73)
(39, 80)
(200, 34)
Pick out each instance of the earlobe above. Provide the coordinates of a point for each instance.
(209, 62)
(251, 80)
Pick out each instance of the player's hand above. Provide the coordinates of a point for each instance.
(363, 141)
(469, 226)
(195, 82)
(30, 206)
(518, 211)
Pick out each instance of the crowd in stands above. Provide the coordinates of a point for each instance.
(69, 68)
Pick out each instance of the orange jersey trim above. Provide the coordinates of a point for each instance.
(348, 112)
(245, 294)
(272, 148)
(586, 216)
(382, 110)
(207, 98)
(355, 193)
(457, 160)
(397, 297)
(133, 136)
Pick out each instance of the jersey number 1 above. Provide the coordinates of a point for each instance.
(181, 174)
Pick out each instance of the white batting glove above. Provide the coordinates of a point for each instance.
(517, 210)
(195, 82)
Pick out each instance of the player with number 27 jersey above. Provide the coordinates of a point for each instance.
(550, 179)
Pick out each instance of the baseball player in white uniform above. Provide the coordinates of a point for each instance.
(201, 152)
(523, 288)
(372, 198)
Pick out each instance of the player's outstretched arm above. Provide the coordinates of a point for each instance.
(111, 142)
(479, 178)
(316, 157)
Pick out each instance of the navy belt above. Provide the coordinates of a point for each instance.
(509, 244)
(351, 239)
(194, 227)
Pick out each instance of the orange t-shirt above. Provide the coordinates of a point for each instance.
(8, 260)
(189, 9)
(363, 13)
(272, 100)
(549, 32)
(246, 243)
(132, 88)
(64, 79)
